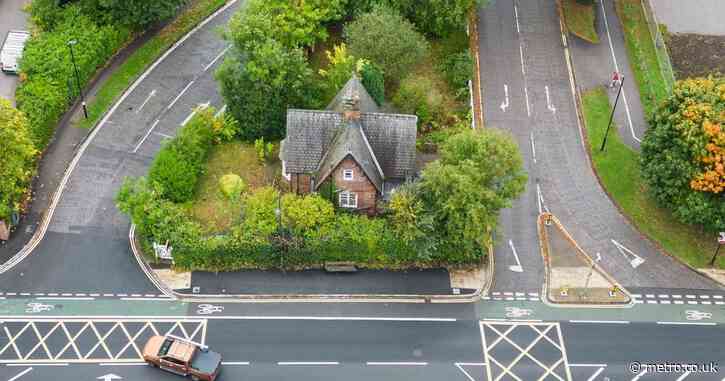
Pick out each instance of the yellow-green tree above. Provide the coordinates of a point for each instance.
(17, 158)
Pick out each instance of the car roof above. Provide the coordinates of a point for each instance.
(177, 349)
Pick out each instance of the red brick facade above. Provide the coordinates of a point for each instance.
(300, 183)
(360, 184)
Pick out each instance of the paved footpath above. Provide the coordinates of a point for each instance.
(527, 89)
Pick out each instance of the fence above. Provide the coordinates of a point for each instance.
(663, 56)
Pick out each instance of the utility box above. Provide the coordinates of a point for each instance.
(12, 50)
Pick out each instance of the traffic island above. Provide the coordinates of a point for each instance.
(572, 276)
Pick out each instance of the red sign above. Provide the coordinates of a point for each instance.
(721, 238)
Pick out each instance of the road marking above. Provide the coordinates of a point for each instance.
(21, 374)
(651, 302)
(460, 366)
(64, 298)
(40, 364)
(516, 17)
(640, 375)
(589, 365)
(517, 267)
(704, 296)
(144, 299)
(533, 294)
(308, 363)
(636, 259)
(540, 200)
(684, 323)
(649, 296)
(548, 101)
(523, 71)
(600, 321)
(201, 106)
(515, 312)
(508, 293)
(677, 296)
(616, 67)
(216, 58)
(594, 376)
(664, 302)
(180, 95)
(235, 362)
(376, 363)
(151, 94)
(146, 136)
(663, 296)
(533, 146)
(679, 302)
(221, 111)
(684, 375)
(505, 103)
(123, 364)
(717, 296)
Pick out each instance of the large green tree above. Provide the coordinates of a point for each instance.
(683, 152)
(479, 173)
(17, 157)
(437, 17)
(386, 39)
(137, 14)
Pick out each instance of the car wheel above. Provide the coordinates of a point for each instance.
(194, 378)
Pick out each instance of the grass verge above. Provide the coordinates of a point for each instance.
(642, 54)
(132, 68)
(618, 169)
(579, 19)
(216, 212)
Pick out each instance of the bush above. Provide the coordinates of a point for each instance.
(338, 72)
(437, 17)
(458, 70)
(372, 77)
(417, 95)
(18, 159)
(232, 186)
(137, 14)
(683, 153)
(387, 40)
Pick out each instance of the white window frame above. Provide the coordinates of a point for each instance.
(287, 176)
(346, 172)
(347, 199)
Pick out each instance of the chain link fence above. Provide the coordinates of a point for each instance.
(663, 56)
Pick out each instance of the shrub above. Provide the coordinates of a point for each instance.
(302, 214)
(232, 186)
(683, 153)
(458, 70)
(264, 150)
(260, 211)
(437, 17)
(18, 159)
(372, 77)
(417, 95)
(137, 14)
(387, 40)
(338, 72)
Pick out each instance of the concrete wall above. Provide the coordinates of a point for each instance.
(691, 16)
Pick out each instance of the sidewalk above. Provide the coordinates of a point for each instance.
(595, 63)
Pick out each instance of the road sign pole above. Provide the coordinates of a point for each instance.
(616, 101)
(720, 242)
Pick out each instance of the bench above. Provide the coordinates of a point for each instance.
(340, 267)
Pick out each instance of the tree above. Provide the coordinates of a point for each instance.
(338, 72)
(137, 14)
(478, 174)
(372, 77)
(17, 154)
(262, 85)
(302, 214)
(683, 153)
(437, 17)
(387, 40)
(410, 222)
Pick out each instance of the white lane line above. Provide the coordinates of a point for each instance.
(533, 294)
(649, 296)
(523, 71)
(516, 17)
(600, 321)
(690, 296)
(179, 96)
(534, 299)
(640, 375)
(616, 67)
(460, 366)
(66, 294)
(24, 294)
(216, 58)
(719, 303)
(704, 296)
(508, 293)
(589, 365)
(40, 364)
(122, 364)
(664, 302)
(145, 136)
(651, 302)
(64, 298)
(221, 111)
(679, 302)
(377, 363)
(517, 267)
(663, 296)
(684, 375)
(533, 146)
(2, 298)
(683, 323)
(677, 296)
(94, 294)
(201, 106)
(235, 362)
(717, 296)
(21, 374)
(308, 363)
(549, 105)
(594, 376)
(706, 302)
(691, 302)
(151, 94)
(142, 299)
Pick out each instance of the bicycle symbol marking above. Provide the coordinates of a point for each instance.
(33, 308)
(697, 315)
(515, 312)
(208, 309)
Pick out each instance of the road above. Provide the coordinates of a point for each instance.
(528, 93)
(11, 17)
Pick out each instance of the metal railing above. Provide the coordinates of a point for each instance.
(658, 40)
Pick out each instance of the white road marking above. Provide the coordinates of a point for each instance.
(663, 296)
(717, 296)
(308, 363)
(704, 296)
(684, 375)
(594, 376)
(664, 302)
(517, 267)
(505, 103)
(649, 296)
(533, 146)
(636, 259)
(151, 94)
(235, 362)
(540, 200)
(600, 321)
(640, 375)
(163, 135)
(460, 366)
(193, 112)
(549, 105)
(180, 95)
(64, 298)
(376, 363)
(651, 302)
(145, 136)
(508, 293)
(683, 323)
(216, 58)
(21, 374)
(123, 364)
(523, 72)
(679, 302)
(516, 17)
(677, 296)
(40, 364)
(221, 111)
(589, 365)
(144, 299)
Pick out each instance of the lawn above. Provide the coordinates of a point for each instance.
(145, 56)
(216, 212)
(653, 87)
(579, 19)
(618, 169)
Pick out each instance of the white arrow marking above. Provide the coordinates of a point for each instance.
(517, 267)
(193, 112)
(548, 101)
(21, 374)
(533, 146)
(109, 377)
(505, 103)
(636, 259)
(153, 92)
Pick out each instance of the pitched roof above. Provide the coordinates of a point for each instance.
(353, 87)
(351, 141)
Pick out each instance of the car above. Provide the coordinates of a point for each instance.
(12, 50)
(182, 357)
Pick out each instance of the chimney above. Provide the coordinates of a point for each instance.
(351, 107)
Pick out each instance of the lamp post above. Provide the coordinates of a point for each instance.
(78, 78)
(278, 214)
(616, 101)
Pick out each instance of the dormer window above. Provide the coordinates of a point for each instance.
(347, 175)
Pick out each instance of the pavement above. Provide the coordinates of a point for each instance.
(12, 17)
(528, 93)
(694, 16)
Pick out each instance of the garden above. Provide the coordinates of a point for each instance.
(213, 192)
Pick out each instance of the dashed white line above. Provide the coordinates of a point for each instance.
(235, 362)
(21, 374)
(705, 302)
(533, 147)
(679, 302)
(41, 364)
(651, 302)
(691, 302)
(216, 58)
(179, 96)
(594, 376)
(145, 136)
(649, 296)
(142, 299)
(64, 298)
(508, 293)
(376, 363)
(677, 296)
(308, 363)
(122, 364)
(663, 296)
(704, 296)
(151, 94)
(533, 294)
(664, 302)
(690, 296)
(600, 321)
(683, 323)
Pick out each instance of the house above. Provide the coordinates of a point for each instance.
(365, 153)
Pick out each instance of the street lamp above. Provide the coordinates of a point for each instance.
(278, 214)
(78, 78)
(616, 101)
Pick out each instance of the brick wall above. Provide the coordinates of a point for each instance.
(360, 184)
(299, 183)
